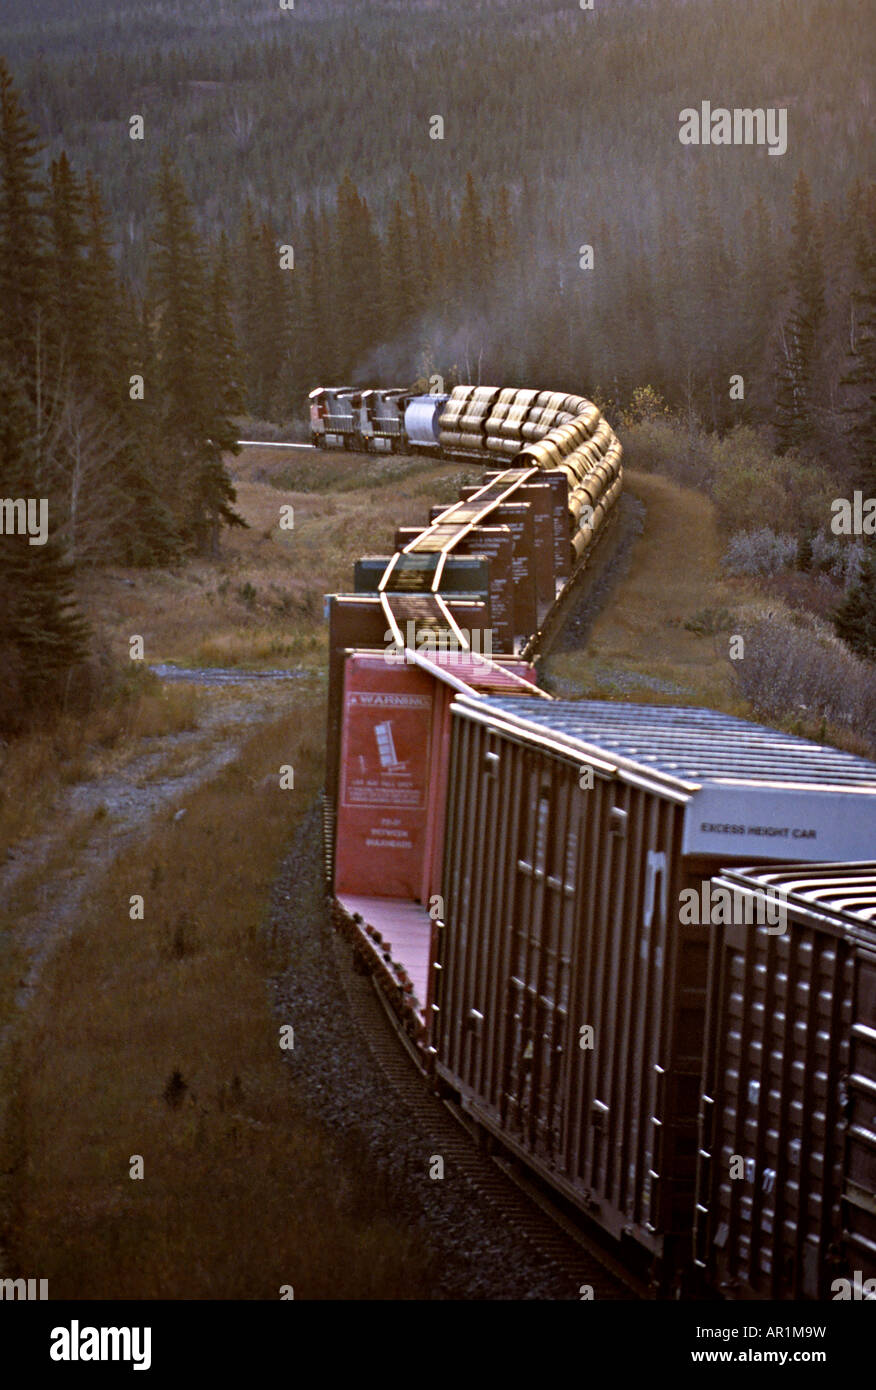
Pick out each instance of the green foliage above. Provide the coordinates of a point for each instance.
(709, 622)
(855, 619)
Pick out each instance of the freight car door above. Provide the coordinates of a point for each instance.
(537, 999)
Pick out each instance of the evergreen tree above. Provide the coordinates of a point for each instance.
(399, 276)
(193, 422)
(42, 635)
(855, 619)
(860, 378)
(66, 272)
(22, 233)
(800, 335)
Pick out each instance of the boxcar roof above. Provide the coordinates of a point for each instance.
(836, 891)
(748, 790)
(696, 745)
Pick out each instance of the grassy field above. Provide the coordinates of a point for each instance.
(261, 603)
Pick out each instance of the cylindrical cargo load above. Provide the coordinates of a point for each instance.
(614, 452)
(539, 422)
(451, 413)
(568, 436)
(508, 447)
(499, 410)
(600, 501)
(453, 439)
(551, 400)
(422, 420)
(585, 496)
(476, 413)
(487, 394)
(510, 427)
(584, 458)
(455, 406)
(573, 474)
(602, 435)
(525, 398)
(590, 417)
(531, 433)
(580, 541)
(544, 454)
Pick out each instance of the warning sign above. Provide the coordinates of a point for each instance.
(386, 750)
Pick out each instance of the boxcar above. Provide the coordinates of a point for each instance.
(569, 990)
(786, 1190)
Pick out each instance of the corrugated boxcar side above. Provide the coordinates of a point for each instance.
(561, 912)
(780, 1012)
(859, 1179)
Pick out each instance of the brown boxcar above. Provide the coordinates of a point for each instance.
(786, 1187)
(569, 996)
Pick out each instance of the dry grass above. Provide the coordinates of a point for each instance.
(260, 602)
(241, 1193)
(35, 767)
(640, 642)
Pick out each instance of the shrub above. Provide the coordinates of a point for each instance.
(842, 560)
(795, 670)
(658, 445)
(751, 484)
(759, 552)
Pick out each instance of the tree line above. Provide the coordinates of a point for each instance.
(119, 399)
(115, 409)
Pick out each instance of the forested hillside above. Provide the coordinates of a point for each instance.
(208, 208)
(569, 118)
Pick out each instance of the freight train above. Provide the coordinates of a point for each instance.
(570, 906)
(464, 422)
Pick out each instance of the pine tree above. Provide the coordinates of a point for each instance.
(800, 336)
(855, 619)
(66, 272)
(424, 279)
(192, 421)
(107, 334)
(860, 378)
(42, 635)
(22, 233)
(399, 277)
(225, 398)
(472, 241)
(314, 349)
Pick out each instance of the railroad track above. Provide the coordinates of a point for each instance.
(577, 1258)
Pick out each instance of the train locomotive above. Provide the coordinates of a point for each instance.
(510, 869)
